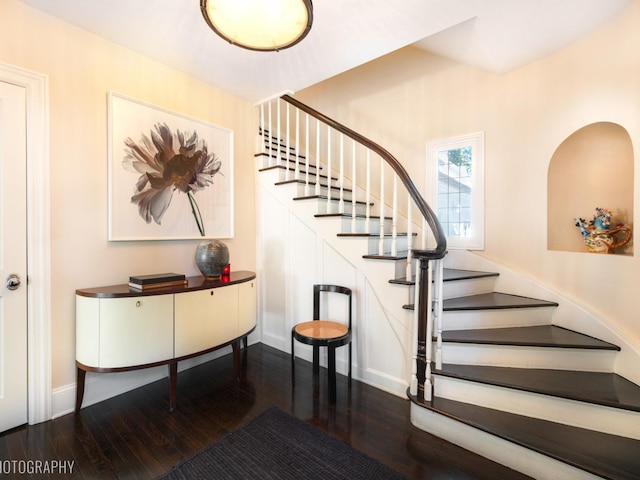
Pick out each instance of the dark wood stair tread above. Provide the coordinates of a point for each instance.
(600, 388)
(300, 171)
(490, 301)
(494, 300)
(323, 185)
(348, 216)
(387, 256)
(609, 456)
(452, 274)
(535, 336)
(449, 275)
(325, 197)
(375, 235)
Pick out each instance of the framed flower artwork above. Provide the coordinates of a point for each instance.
(170, 175)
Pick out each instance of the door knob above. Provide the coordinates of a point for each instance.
(13, 281)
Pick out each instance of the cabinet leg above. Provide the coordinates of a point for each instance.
(173, 383)
(80, 378)
(236, 358)
(245, 353)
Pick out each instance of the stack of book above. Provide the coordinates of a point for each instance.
(158, 280)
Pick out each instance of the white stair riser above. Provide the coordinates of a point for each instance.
(461, 288)
(387, 245)
(515, 356)
(560, 410)
(283, 174)
(274, 175)
(267, 159)
(362, 225)
(502, 451)
(310, 189)
(333, 206)
(283, 151)
(516, 317)
(464, 288)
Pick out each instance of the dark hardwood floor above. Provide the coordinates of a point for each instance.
(134, 436)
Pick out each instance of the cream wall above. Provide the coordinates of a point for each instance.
(410, 97)
(82, 68)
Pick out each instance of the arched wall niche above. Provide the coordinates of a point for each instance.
(592, 168)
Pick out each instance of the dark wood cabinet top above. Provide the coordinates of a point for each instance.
(193, 284)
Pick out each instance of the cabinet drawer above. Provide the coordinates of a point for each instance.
(247, 314)
(205, 319)
(88, 331)
(135, 331)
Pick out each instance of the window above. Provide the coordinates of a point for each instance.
(456, 188)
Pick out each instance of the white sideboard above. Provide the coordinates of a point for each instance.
(119, 328)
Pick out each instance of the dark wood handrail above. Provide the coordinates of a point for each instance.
(423, 206)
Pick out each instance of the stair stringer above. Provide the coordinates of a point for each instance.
(383, 330)
(570, 313)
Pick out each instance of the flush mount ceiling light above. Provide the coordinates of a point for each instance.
(264, 25)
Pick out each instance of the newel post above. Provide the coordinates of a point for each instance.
(425, 330)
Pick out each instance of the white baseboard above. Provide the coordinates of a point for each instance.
(102, 386)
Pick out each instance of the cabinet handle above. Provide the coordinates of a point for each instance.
(138, 303)
(212, 293)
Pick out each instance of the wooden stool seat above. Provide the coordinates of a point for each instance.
(321, 329)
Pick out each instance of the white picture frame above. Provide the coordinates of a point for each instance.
(158, 190)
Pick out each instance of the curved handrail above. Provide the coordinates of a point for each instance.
(423, 206)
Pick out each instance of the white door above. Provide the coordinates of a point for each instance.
(13, 257)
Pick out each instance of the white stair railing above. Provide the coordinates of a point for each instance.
(343, 186)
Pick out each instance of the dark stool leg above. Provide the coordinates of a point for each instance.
(293, 363)
(316, 366)
(349, 364)
(332, 374)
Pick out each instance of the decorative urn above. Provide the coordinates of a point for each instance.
(211, 257)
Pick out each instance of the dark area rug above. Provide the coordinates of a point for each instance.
(275, 445)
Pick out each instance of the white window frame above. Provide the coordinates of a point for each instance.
(475, 239)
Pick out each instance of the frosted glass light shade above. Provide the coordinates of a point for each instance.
(265, 25)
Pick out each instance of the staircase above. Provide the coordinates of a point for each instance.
(526, 393)
(504, 381)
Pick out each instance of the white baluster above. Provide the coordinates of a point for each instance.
(409, 273)
(353, 187)
(368, 194)
(297, 146)
(317, 162)
(263, 133)
(329, 208)
(381, 235)
(287, 150)
(394, 226)
(425, 232)
(341, 176)
(306, 153)
(270, 160)
(277, 134)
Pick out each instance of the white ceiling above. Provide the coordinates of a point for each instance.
(495, 35)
